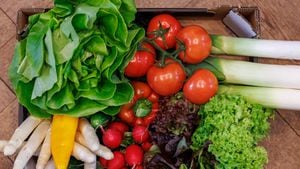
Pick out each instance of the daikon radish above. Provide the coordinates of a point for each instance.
(20, 134)
(32, 145)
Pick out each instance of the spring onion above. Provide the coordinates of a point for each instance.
(255, 47)
(249, 73)
(269, 97)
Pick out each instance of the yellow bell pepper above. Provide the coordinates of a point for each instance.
(62, 139)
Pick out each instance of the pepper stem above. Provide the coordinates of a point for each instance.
(142, 107)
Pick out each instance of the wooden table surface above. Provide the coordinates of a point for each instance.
(280, 20)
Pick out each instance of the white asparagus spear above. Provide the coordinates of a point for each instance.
(2, 144)
(83, 154)
(50, 164)
(20, 134)
(91, 165)
(32, 145)
(88, 132)
(103, 151)
(45, 152)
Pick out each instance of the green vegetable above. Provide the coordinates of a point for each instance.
(72, 61)
(255, 47)
(99, 119)
(233, 128)
(249, 73)
(269, 97)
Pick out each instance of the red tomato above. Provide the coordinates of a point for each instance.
(162, 27)
(153, 97)
(118, 162)
(141, 90)
(197, 44)
(166, 80)
(127, 115)
(122, 127)
(140, 134)
(201, 86)
(112, 138)
(141, 62)
(134, 155)
(138, 121)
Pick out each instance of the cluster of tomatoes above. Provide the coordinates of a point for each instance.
(130, 156)
(174, 45)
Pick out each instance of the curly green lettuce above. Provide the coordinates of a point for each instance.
(232, 127)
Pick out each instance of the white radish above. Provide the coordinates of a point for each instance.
(50, 164)
(102, 151)
(83, 154)
(45, 152)
(20, 134)
(32, 145)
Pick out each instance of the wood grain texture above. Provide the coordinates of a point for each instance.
(10, 7)
(7, 29)
(6, 56)
(279, 20)
(282, 145)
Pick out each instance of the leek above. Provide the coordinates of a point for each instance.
(249, 73)
(255, 47)
(269, 97)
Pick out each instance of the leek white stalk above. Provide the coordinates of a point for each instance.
(277, 98)
(255, 47)
(255, 74)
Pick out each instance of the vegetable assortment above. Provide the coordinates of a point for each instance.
(135, 97)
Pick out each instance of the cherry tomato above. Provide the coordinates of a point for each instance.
(141, 62)
(201, 86)
(118, 162)
(153, 97)
(134, 155)
(197, 44)
(127, 115)
(138, 121)
(112, 138)
(140, 134)
(162, 27)
(166, 80)
(141, 90)
(122, 127)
